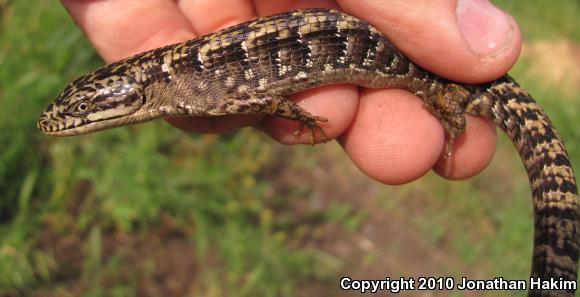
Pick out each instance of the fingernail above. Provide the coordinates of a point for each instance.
(486, 28)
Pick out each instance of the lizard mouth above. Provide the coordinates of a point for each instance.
(63, 128)
(76, 126)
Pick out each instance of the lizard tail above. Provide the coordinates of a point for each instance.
(553, 185)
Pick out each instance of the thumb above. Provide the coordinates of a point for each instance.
(463, 40)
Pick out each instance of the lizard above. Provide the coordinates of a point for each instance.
(250, 68)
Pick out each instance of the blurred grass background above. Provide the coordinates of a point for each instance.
(149, 210)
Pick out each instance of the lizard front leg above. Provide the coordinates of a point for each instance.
(274, 105)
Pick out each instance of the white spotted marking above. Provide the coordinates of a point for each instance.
(308, 61)
(202, 85)
(165, 109)
(284, 69)
(243, 89)
(249, 74)
(200, 60)
(300, 76)
(262, 82)
(230, 81)
(342, 58)
(395, 62)
(370, 55)
(245, 52)
(165, 68)
(411, 70)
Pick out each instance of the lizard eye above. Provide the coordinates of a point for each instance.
(81, 108)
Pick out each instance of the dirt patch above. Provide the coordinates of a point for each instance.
(556, 63)
(160, 262)
(387, 244)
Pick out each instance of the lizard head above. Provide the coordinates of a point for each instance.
(102, 99)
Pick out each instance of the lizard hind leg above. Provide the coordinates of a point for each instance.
(447, 105)
(275, 105)
(292, 111)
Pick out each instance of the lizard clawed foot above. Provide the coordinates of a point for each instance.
(312, 126)
(449, 141)
(449, 148)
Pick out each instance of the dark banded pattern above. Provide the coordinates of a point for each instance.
(251, 67)
(554, 190)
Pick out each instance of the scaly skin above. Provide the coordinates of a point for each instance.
(252, 67)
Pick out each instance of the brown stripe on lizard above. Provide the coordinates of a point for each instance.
(250, 69)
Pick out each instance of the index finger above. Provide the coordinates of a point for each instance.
(121, 28)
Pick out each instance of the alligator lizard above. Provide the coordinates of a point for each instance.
(250, 68)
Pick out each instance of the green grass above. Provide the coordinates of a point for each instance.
(125, 182)
(541, 19)
(132, 192)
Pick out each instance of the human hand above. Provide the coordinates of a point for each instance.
(386, 133)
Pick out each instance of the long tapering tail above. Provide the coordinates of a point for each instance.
(554, 190)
